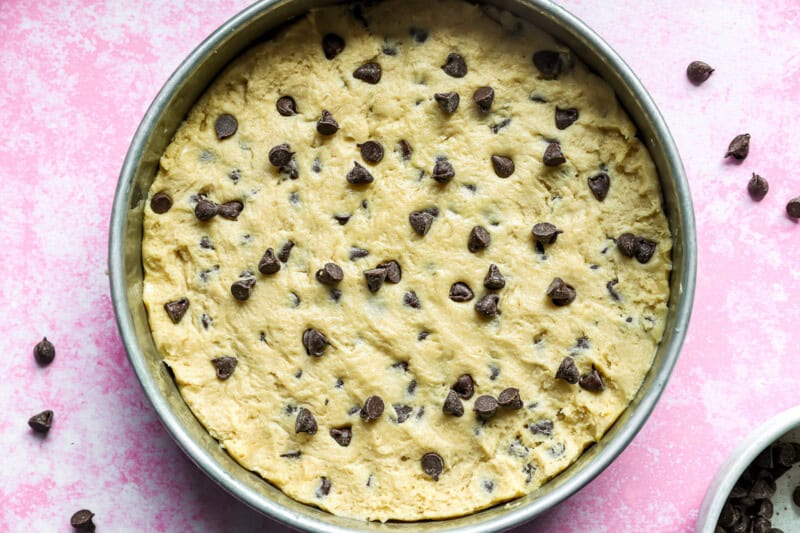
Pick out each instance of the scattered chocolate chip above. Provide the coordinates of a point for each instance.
(758, 187)
(235, 175)
(443, 171)
(645, 248)
(494, 280)
(332, 45)
(243, 288)
(727, 516)
(762, 489)
(566, 117)
(269, 264)
(176, 309)
(324, 487)
(626, 243)
(599, 185)
(592, 381)
(375, 278)
(359, 175)
(336, 294)
(373, 408)
(205, 243)
(545, 232)
(225, 126)
(761, 525)
(483, 97)
(421, 221)
(487, 306)
(503, 166)
(342, 435)
(327, 125)
(292, 455)
(286, 106)
(455, 65)
(371, 151)
(485, 406)
(205, 210)
(460, 292)
(785, 454)
(464, 386)
(500, 125)
(160, 203)
(765, 509)
(411, 299)
(793, 208)
(494, 372)
(393, 271)
(295, 299)
(342, 219)
(698, 72)
(403, 411)
(41, 422)
(432, 464)
(509, 399)
(44, 352)
(548, 63)
(553, 156)
(330, 274)
(419, 35)
(453, 405)
(315, 342)
(280, 155)
(286, 250)
(231, 210)
(224, 366)
(479, 239)
(368, 72)
(358, 253)
(560, 293)
(305, 422)
(542, 427)
(82, 520)
(739, 147)
(448, 102)
(405, 150)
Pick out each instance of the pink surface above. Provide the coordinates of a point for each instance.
(76, 78)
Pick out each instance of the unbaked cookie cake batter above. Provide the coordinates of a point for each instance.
(407, 261)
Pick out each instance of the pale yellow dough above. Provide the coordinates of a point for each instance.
(252, 414)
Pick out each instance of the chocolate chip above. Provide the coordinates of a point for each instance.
(548, 63)
(553, 156)
(243, 288)
(269, 264)
(373, 408)
(286, 250)
(503, 166)
(761, 525)
(739, 147)
(765, 509)
(443, 171)
(599, 185)
(542, 427)
(305, 422)
(758, 187)
(453, 405)
(44, 352)
(455, 65)
(509, 399)
(566, 117)
(405, 150)
(626, 243)
(368, 72)
(292, 455)
(793, 208)
(560, 293)
(315, 342)
(545, 232)
(280, 155)
(371, 151)
(432, 464)
(500, 125)
(330, 274)
(332, 45)
(359, 175)
(479, 239)
(41, 422)
(592, 381)
(327, 125)
(231, 210)
(176, 309)
(727, 516)
(160, 203)
(645, 248)
(421, 221)
(568, 371)
(358, 253)
(375, 278)
(286, 106)
(224, 366)
(485, 407)
(82, 520)
(460, 292)
(762, 489)
(411, 299)
(205, 243)
(464, 386)
(420, 35)
(342, 435)
(342, 219)
(487, 306)
(448, 102)
(494, 280)
(205, 210)
(225, 126)
(698, 72)
(393, 271)
(483, 97)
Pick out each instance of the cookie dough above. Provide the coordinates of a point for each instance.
(407, 261)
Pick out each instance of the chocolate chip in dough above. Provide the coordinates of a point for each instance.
(285, 251)
(545, 233)
(305, 422)
(626, 243)
(448, 102)
(645, 248)
(487, 306)
(44, 352)
(757, 187)
(568, 371)
(280, 155)
(342, 219)
(393, 271)
(269, 264)
(373, 408)
(358, 253)
(443, 171)
(479, 239)
(160, 203)
(225, 126)
(410, 299)
(231, 210)
(315, 342)
(483, 98)
(330, 274)
(359, 175)
(485, 406)
(375, 278)
(500, 125)
(464, 386)
(793, 208)
(420, 35)
(509, 399)
(243, 288)
(503, 166)
(41, 422)
(553, 156)
(327, 125)
(371, 151)
(455, 65)
(739, 147)
(82, 520)
(698, 72)
(432, 464)
(460, 292)
(566, 117)
(599, 185)
(548, 63)
(542, 427)
(332, 45)
(404, 411)
(224, 366)
(205, 210)
(342, 436)
(176, 309)
(592, 381)
(453, 405)
(405, 150)
(421, 221)
(286, 106)
(494, 280)
(560, 293)
(368, 72)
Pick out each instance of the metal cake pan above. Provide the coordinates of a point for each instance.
(158, 126)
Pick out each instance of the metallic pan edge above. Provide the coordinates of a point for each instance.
(157, 128)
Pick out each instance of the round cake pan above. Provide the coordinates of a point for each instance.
(159, 124)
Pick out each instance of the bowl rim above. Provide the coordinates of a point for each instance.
(275, 510)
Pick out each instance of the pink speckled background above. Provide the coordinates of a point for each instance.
(75, 79)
